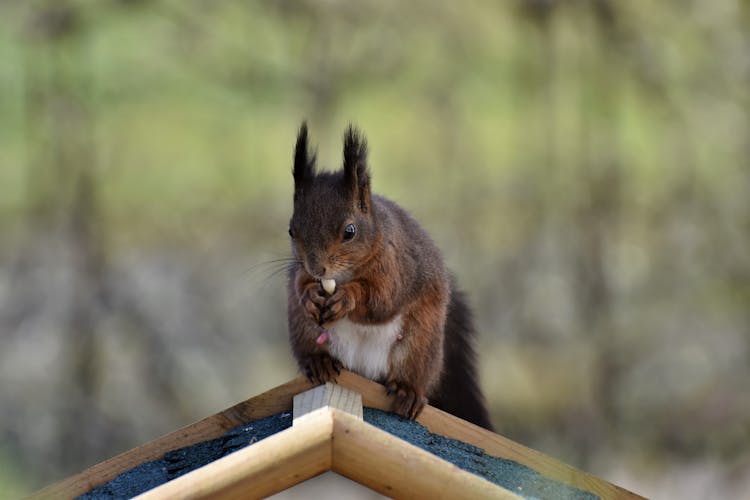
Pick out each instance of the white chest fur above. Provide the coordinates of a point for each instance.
(364, 349)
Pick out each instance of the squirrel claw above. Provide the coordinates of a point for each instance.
(313, 301)
(408, 402)
(336, 307)
(322, 368)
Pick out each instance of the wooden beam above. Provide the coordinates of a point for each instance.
(440, 422)
(267, 467)
(373, 394)
(396, 468)
(269, 403)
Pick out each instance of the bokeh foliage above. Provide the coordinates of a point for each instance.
(583, 164)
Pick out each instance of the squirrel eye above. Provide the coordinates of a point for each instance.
(349, 232)
(291, 232)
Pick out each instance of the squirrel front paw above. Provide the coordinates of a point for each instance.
(409, 401)
(312, 299)
(336, 306)
(321, 368)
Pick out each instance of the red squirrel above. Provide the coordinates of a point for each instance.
(395, 315)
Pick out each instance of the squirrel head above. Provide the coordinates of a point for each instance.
(332, 228)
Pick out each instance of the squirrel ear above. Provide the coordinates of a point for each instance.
(304, 162)
(356, 173)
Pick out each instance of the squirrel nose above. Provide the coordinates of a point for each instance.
(316, 268)
(320, 271)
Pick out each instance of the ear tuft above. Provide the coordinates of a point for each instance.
(304, 160)
(355, 148)
(356, 173)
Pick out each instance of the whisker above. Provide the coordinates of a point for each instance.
(268, 263)
(259, 277)
(276, 272)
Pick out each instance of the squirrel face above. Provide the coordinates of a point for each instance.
(332, 227)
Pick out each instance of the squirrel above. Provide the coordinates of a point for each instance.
(395, 315)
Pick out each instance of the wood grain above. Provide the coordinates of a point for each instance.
(440, 422)
(267, 467)
(393, 467)
(329, 439)
(331, 395)
(269, 403)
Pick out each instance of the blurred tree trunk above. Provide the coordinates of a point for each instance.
(595, 224)
(61, 190)
(66, 221)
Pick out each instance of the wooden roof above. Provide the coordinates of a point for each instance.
(330, 438)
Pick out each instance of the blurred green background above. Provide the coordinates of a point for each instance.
(583, 165)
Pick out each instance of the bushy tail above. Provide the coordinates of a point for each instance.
(459, 393)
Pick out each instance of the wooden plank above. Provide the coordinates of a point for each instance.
(440, 422)
(328, 395)
(373, 394)
(267, 467)
(269, 403)
(395, 468)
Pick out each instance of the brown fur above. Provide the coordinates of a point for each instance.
(390, 267)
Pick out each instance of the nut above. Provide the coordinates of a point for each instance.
(328, 285)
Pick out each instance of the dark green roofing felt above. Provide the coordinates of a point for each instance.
(506, 473)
